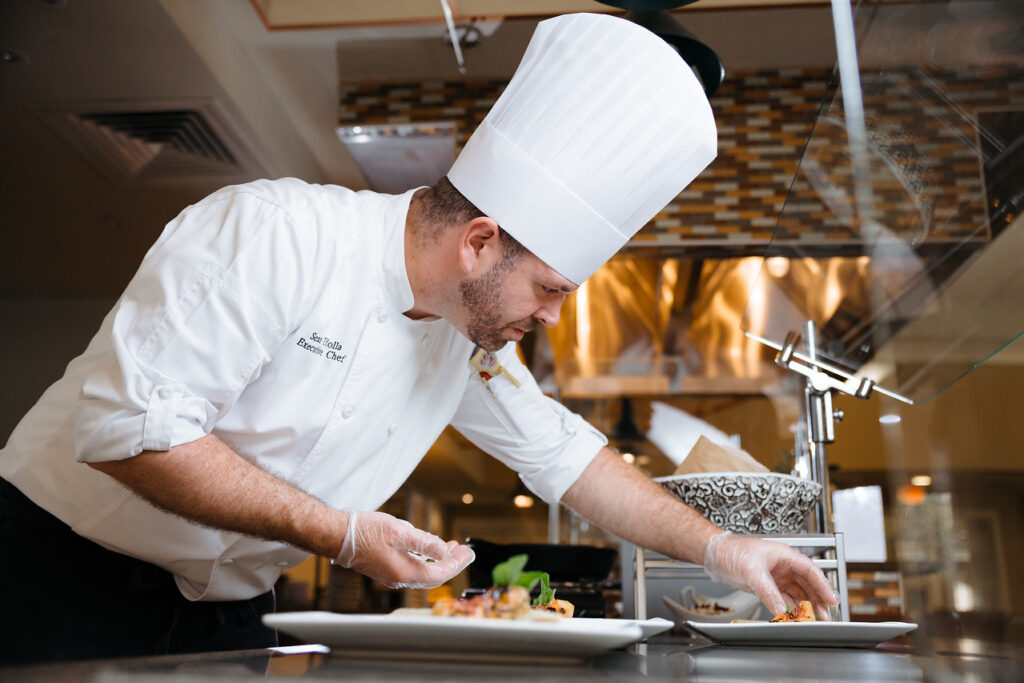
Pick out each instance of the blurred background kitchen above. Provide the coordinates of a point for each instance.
(883, 207)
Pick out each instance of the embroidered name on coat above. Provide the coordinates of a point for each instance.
(323, 346)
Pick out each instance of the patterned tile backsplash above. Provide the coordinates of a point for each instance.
(923, 153)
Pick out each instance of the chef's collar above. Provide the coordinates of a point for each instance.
(396, 288)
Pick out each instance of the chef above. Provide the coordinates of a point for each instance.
(287, 353)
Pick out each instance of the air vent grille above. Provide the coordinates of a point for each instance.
(184, 131)
(188, 142)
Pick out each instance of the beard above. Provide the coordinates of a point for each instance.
(482, 300)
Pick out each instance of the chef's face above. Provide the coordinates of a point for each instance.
(510, 299)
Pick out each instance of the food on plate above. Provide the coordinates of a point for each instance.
(509, 596)
(710, 608)
(497, 602)
(802, 612)
(561, 607)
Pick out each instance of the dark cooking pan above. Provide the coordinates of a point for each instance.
(564, 563)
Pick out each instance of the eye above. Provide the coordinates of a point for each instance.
(549, 290)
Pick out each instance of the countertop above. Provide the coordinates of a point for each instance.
(664, 657)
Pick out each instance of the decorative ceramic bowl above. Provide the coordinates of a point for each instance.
(747, 502)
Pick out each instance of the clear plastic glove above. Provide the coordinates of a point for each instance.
(399, 555)
(776, 573)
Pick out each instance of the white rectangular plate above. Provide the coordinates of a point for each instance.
(806, 633)
(410, 634)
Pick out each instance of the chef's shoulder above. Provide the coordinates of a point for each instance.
(291, 196)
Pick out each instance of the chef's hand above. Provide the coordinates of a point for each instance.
(394, 552)
(773, 571)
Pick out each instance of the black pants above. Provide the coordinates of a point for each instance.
(65, 597)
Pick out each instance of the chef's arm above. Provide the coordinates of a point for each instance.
(207, 482)
(621, 499)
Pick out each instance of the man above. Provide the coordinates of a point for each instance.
(287, 353)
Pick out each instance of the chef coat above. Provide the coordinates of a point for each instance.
(270, 314)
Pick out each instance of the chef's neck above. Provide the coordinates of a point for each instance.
(423, 246)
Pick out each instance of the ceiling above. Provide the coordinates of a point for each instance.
(82, 229)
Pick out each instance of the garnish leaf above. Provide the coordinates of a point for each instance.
(508, 572)
(529, 579)
(547, 593)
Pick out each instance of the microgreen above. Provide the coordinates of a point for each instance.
(547, 593)
(510, 573)
(507, 572)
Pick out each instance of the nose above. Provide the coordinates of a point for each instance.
(549, 313)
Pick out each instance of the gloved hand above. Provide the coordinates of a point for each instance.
(394, 552)
(776, 573)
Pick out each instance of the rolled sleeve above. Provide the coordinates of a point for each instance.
(546, 443)
(207, 309)
(167, 406)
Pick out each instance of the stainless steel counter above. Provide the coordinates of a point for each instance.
(667, 657)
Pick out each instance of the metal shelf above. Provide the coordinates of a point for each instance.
(833, 563)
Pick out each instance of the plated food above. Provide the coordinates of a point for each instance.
(509, 596)
(711, 608)
(801, 612)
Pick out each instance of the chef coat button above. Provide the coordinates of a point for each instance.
(347, 411)
(382, 316)
(226, 560)
(163, 393)
(392, 429)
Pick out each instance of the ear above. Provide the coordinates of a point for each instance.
(479, 246)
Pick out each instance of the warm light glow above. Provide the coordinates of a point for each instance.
(467, 498)
(523, 501)
(583, 329)
(834, 291)
(629, 457)
(643, 460)
(921, 480)
(911, 495)
(890, 419)
(777, 266)
(802, 468)
(963, 597)
(442, 592)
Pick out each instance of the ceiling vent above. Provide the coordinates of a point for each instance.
(174, 143)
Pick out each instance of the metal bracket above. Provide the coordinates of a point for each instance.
(822, 379)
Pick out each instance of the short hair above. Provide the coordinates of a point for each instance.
(444, 206)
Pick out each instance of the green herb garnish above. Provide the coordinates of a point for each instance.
(510, 573)
(547, 593)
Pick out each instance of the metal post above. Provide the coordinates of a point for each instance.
(820, 431)
(554, 524)
(639, 583)
(819, 464)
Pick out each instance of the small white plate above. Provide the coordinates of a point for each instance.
(414, 635)
(805, 633)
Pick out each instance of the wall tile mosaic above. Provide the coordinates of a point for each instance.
(924, 155)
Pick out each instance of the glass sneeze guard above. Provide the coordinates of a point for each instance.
(900, 236)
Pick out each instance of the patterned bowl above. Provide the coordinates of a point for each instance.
(747, 502)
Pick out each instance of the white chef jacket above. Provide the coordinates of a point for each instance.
(270, 315)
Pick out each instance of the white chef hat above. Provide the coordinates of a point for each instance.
(601, 126)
